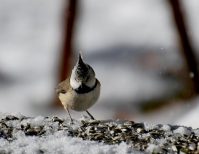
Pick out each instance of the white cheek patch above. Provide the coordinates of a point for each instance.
(74, 83)
(91, 82)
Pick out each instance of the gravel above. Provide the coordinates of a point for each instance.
(140, 137)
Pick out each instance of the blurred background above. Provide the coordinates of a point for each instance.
(143, 52)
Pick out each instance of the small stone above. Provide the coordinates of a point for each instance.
(34, 131)
(11, 117)
(129, 123)
(95, 122)
(56, 119)
(139, 130)
(138, 125)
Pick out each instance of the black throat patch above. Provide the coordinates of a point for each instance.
(85, 89)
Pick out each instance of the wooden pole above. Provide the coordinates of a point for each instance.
(69, 20)
(69, 16)
(184, 40)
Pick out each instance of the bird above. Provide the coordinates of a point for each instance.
(80, 90)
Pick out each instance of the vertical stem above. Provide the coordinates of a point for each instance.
(184, 40)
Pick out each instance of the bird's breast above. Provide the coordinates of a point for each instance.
(80, 102)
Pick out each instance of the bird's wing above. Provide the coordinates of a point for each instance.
(63, 87)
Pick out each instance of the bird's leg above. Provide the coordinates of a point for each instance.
(90, 115)
(71, 120)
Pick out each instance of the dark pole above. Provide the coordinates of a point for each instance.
(69, 16)
(184, 40)
(69, 20)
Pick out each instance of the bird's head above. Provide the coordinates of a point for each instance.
(82, 74)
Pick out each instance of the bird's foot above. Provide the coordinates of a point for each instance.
(90, 115)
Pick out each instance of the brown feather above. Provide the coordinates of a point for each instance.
(63, 87)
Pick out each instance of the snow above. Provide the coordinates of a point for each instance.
(182, 131)
(192, 146)
(148, 126)
(166, 127)
(60, 143)
(152, 148)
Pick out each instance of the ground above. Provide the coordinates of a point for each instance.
(20, 134)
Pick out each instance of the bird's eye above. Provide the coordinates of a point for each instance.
(62, 91)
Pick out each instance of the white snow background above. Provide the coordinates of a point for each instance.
(112, 35)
